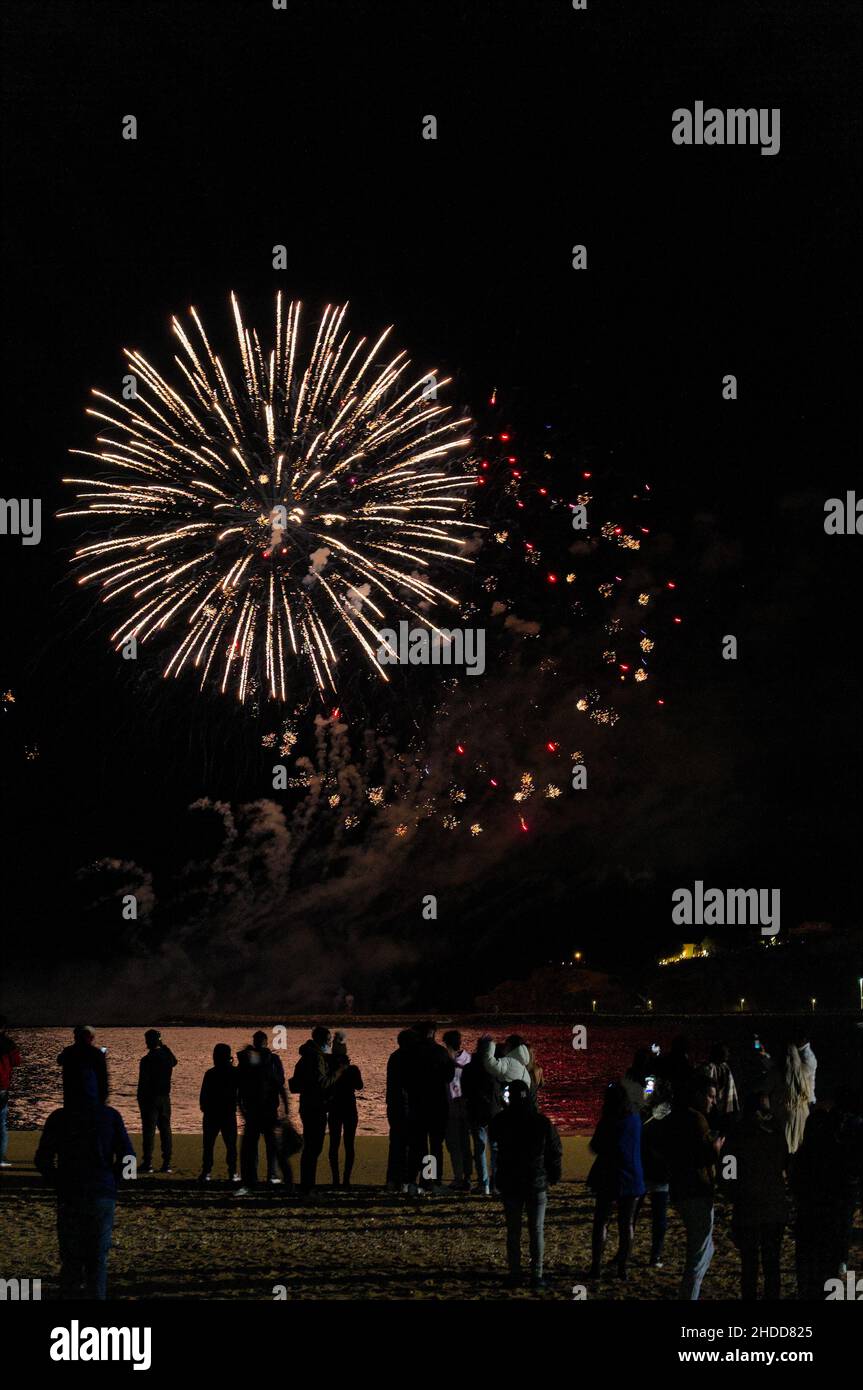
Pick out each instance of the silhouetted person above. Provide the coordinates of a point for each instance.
(342, 1109)
(529, 1156)
(397, 1110)
(676, 1069)
(457, 1126)
(616, 1176)
(430, 1069)
(82, 1152)
(10, 1058)
(85, 1070)
(650, 1096)
(154, 1098)
(758, 1147)
(313, 1081)
(260, 1087)
(849, 1124)
(218, 1103)
(692, 1152)
(827, 1163)
(484, 1100)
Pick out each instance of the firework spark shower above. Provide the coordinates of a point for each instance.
(271, 524)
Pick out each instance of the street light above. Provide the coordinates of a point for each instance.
(860, 987)
(813, 1003)
(593, 1005)
(742, 1002)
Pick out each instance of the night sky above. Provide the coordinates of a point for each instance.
(259, 127)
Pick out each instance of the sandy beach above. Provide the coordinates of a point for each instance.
(174, 1239)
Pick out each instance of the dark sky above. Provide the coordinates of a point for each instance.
(259, 127)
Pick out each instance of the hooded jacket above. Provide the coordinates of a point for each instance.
(512, 1067)
(313, 1079)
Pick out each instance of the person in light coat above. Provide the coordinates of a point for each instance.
(513, 1064)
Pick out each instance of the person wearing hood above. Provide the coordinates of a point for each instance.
(313, 1081)
(398, 1065)
(429, 1071)
(85, 1071)
(513, 1064)
(154, 1098)
(484, 1100)
(260, 1088)
(342, 1115)
(458, 1129)
(530, 1157)
(760, 1154)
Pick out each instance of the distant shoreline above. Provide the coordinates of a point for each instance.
(385, 1020)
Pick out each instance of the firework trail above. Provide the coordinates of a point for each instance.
(275, 526)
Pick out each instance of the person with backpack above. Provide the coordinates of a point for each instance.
(313, 1081)
(260, 1088)
(218, 1102)
(342, 1116)
(530, 1158)
(154, 1098)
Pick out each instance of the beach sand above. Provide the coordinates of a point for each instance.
(176, 1239)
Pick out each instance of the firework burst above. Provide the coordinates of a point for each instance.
(273, 527)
